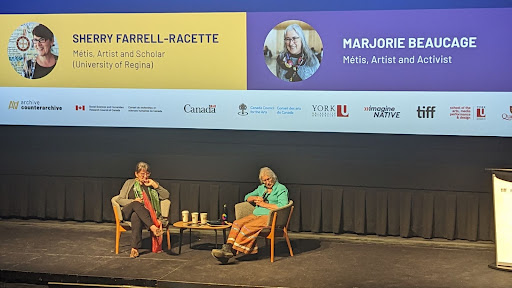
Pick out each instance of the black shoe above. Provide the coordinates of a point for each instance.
(228, 248)
(222, 255)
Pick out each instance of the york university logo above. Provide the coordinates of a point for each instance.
(342, 111)
(480, 112)
(328, 111)
(14, 104)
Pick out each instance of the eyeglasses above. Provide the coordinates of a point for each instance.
(40, 40)
(142, 173)
(294, 39)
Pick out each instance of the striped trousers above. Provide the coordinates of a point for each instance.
(244, 232)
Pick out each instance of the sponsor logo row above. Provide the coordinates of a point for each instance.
(315, 110)
(422, 112)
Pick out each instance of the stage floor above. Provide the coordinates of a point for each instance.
(38, 252)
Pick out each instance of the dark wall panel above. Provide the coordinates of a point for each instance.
(407, 185)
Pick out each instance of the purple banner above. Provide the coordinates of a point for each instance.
(406, 50)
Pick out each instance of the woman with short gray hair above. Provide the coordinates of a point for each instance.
(140, 201)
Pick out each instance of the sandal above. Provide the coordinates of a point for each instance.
(134, 253)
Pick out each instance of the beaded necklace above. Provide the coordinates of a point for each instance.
(289, 64)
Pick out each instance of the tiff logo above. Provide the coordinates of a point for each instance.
(14, 104)
(426, 111)
(341, 111)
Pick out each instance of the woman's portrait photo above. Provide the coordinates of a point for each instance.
(293, 51)
(33, 50)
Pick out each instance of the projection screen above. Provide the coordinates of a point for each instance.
(418, 71)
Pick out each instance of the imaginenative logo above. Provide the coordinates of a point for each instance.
(383, 111)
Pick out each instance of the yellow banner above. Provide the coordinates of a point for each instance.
(161, 51)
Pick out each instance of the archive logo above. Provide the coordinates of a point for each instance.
(14, 105)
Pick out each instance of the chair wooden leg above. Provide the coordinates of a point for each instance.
(118, 235)
(272, 249)
(288, 241)
(168, 239)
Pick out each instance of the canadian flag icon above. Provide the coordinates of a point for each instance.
(80, 107)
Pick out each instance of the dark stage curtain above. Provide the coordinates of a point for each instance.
(327, 209)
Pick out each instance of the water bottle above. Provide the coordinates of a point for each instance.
(224, 217)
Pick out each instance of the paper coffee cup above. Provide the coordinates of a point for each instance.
(195, 217)
(184, 215)
(204, 218)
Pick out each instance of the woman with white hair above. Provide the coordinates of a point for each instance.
(297, 62)
(242, 238)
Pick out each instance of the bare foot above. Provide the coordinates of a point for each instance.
(134, 253)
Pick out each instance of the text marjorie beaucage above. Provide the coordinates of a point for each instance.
(411, 43)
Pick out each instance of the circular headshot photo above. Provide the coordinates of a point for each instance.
(293, 51)
(33, 50)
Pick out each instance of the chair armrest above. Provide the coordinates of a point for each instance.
(165, 206)
(282, 215)
(117, 208)
(243, 209)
